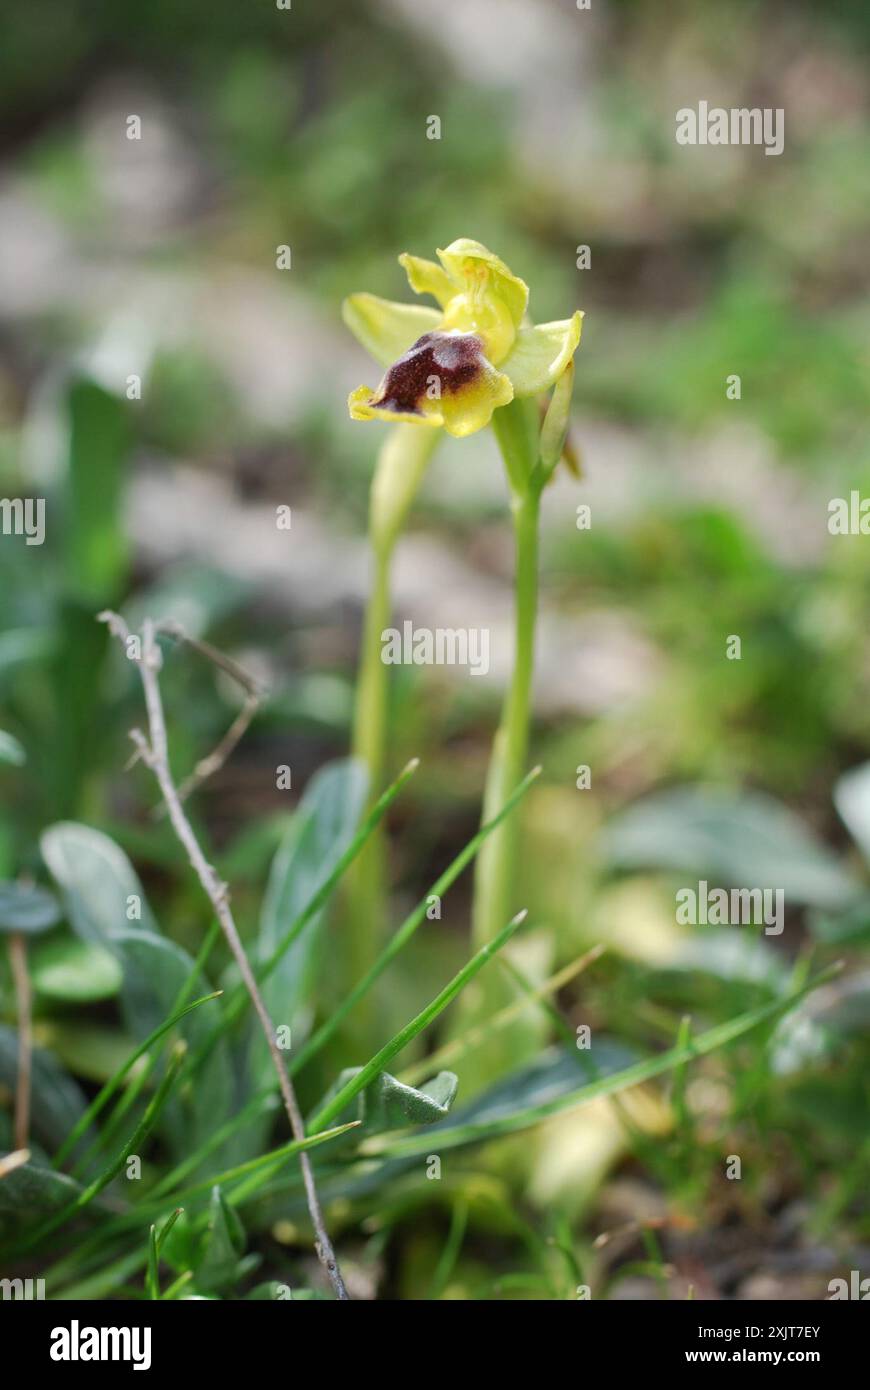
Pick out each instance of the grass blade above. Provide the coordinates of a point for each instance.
(457, 1047)
(155, 1245)
(177, 1285)
(237, 998)
(111, 1086)
(686, 1051)
(151, 1206)
(152, 1278)
(255, 1107)
(131, 1095)
(408, 928)
(403, 1037)
(139, 1135)
(323, 893)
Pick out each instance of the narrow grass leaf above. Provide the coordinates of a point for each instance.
(378, 1063)
(135, 1142)
(238, 998)
(407, 929)
(458, 1046)
(102, 1099)
(452, 1136)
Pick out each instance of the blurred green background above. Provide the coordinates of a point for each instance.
(156, 259)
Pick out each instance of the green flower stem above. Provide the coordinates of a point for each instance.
(494, 876)
(517, 430)
(531, 451)
(367, 879)
(370, 714)
(401, 465)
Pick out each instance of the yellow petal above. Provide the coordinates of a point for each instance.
(362, 404)
(540, 354)
(444, 379)
(427, 277)
(470, 264)
(470, 408)
(384, 328)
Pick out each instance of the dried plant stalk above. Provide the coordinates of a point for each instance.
(153, 751)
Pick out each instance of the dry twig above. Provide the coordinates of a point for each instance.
(153, 751)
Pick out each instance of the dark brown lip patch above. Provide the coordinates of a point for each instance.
(454, 358)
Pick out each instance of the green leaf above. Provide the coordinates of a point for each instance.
(364, 1075)
(554, 430)
(517, 429)
(320, 832)
(222, 1247)
(746, 839)
(533, 1096)
(387, 1103)
(91, 1050)
(731, 955)
(100, 1101)
(401, 466)
(156, 1241)
(556, 1073)
(99, 883)
(25, 908)
(133, 1145)
(11, 751)
(30, 1192)
(823, 1023)
(833, 1110)
(22, 647)
(98, 451)
(56, 1102)
(75, 971)
(181, 1246)
(852, 800)
(254, 1173)
(72, 747)
(156, 972)
(835, 928)
(412, 922)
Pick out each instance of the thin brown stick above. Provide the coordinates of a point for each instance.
(218, 756)
(16, 1159)
(154, 752)
(24, 1006)
(254, 694)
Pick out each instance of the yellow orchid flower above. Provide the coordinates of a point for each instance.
(455, 365)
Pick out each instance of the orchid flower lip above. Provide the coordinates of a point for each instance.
(453, 366)
(444, 379)
(449, 359)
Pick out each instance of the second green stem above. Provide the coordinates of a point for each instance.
(496, 861)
